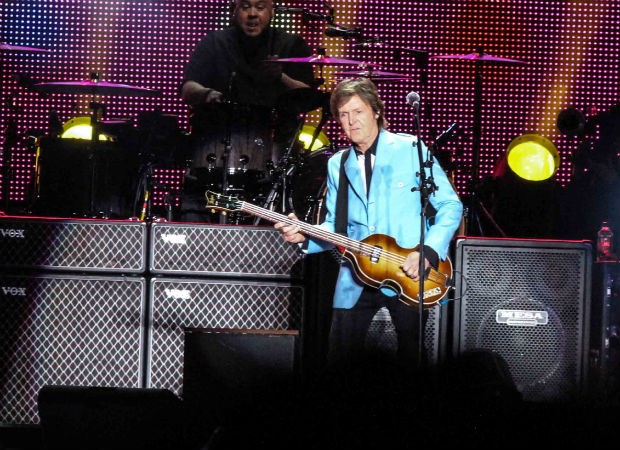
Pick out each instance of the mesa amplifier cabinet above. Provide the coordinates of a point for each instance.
(62, 329)
(177, 304)
(529, 302)
(222, 250)
(73, 245)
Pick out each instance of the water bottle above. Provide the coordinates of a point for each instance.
(604, 243)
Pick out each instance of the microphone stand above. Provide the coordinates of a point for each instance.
(426, 188)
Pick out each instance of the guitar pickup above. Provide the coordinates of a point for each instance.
(375, 255)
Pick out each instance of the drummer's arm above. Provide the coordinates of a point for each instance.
(194, 93)
(292, 83)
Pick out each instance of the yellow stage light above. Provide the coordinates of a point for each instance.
(305, 137)
(533, 157)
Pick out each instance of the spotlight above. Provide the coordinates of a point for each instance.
(80, 128)
(533, 157)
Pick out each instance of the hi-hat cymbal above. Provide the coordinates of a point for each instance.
(94, 88)
(4, 47)
(320, 60)
(373, 74)
(480, 57)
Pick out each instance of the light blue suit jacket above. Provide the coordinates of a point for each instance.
(391, 207)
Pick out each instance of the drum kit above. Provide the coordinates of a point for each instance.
(303, 162)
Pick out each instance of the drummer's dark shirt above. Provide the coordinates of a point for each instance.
(229, 61)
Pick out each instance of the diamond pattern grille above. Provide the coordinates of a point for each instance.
(222, 251)
(546, 360)
(179, 304)
(85, 245)
(67, 330)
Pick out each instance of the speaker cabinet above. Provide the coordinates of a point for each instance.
(72, 245)
(64, 329)
(222, 251)
(605, 332)
(77, 178)
(528, 301)
(177, 304)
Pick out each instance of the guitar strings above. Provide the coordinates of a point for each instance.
(363, 248)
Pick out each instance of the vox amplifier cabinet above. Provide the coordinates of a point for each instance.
(177, 304)
(63, 329)
(73, 245)
(529, 302)
(222, 250)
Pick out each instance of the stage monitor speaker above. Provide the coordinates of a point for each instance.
(238, 379)
(177, 304)
(528, 301)
(67, 330)
(72, 245)
(102, 418)
(222, 250)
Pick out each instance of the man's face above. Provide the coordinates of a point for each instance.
(359, 121)
(253, 16)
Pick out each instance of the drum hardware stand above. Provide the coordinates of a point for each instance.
(284, 169)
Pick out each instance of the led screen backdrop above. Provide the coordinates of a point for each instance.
(569, 50)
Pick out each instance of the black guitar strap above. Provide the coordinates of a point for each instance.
(342, 201)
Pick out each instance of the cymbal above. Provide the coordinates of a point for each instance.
(320, 60)
(302, 100)
(4, 47)
(480, 57)
(94, 88)
(373, 74)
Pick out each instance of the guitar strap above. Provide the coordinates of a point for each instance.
(342, 201)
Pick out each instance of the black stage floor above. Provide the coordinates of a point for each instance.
(383, 408)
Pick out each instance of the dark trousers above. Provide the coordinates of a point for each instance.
(349, 328)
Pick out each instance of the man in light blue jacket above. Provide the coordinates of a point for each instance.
(386, 207)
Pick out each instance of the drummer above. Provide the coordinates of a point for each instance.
(232, 90)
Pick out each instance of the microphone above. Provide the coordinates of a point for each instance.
(286, 9)
(413, 99)
(447, 135)
(344, 32)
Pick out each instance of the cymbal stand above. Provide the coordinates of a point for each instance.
(474, 204)
(97, 109)
(10, 140)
